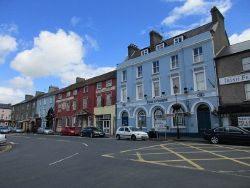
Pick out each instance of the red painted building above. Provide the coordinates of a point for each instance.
(75, 105)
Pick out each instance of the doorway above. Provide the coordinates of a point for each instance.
(203, 118)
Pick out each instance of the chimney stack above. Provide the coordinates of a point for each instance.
(28, 97)
(52, 89)
(155, 38)
(39, 93)
(133, 51)
(78, 79)
(216, 15)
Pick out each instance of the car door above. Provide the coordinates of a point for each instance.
(121, 132)
(127, 132)
(238, 135)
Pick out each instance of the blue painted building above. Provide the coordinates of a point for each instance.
(45, 109)
(172, 83)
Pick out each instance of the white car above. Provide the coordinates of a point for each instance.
(132, 133)
(3, 139)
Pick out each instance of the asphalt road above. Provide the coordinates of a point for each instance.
(61, 161)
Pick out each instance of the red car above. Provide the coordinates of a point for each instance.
(70, 131)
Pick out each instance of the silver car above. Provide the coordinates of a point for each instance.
(3, 139)
(48, 131)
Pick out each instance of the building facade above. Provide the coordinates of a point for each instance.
(45, 109)
(87, 103)
(233, 70)
(171, 85)
(5, 114)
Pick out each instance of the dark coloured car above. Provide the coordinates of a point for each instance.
(227, 134)
(92, 132)
(70, 131)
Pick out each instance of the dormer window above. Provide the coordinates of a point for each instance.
(178, 39)
(159, 46)
(144, 52)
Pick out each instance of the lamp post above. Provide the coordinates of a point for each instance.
(176, 107)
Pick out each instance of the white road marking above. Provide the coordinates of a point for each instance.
(63, 141)
(41, 138)
(13, 143)
(63, 159)
(84, 144)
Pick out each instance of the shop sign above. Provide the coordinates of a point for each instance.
(244, 121)
(234, 79)
(160, 100)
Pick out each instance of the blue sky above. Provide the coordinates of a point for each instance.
(46, 42)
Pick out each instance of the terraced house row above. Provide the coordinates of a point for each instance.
(170, 85)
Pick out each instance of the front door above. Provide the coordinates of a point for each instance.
(203, 118)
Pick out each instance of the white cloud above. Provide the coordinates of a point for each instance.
(10, 95)
(75, 21)
(196, 7)
(91, 42)
(57, 54)
(8, 44)
(8, 29)
(236, 38)
(25, 83)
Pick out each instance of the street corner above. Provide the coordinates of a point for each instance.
(5, 147)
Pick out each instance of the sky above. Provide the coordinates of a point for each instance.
(44, 43)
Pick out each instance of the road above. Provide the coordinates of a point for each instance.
(63, 161)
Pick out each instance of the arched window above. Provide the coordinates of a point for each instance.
(178, 119)
(159, 121)
(124, 119)
(141, 119)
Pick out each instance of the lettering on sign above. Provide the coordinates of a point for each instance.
(244, 121)
(152, 101)
(234, 79)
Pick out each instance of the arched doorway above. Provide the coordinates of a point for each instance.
(141, 119)
(124, 119)
(178, 119)
(203, 118)
(159, 120)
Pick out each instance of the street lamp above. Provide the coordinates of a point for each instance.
(176, 107)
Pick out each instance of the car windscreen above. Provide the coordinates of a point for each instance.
(134, 129)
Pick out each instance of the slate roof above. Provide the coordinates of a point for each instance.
(5, 106)
(233, 49)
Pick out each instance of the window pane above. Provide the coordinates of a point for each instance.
(247, 91)
(156, 89)
(246, 63)
(175, 82)
(200, 81)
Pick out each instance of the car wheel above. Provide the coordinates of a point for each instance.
(118, 137)
(214, 140)
(133, 137)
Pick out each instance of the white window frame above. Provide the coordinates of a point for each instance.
(85, 89)
(144, 52)
(85, 103)
(108, 103)
(99, 102)
(198, 58)
(74, 105)
(194, 80)
(124, 98)
(153, 91)
(247, 91)
(159, 46)
(99, 85)
(156, 67)
(124, 76)
(139, 73)
(75, 92)
(109, 83)
(68, 94)
(172, 84)
(176, 62)
(178, 39)
(246, 63)
(137, 92)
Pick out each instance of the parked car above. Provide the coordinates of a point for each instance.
(4, 130)
(12, 129)
(247, 127)
(19, 130)
(70, 131)
(132, 133)
(3, 139)
(227, 134)
(92, 132)
(40, 130)
(48, 130)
